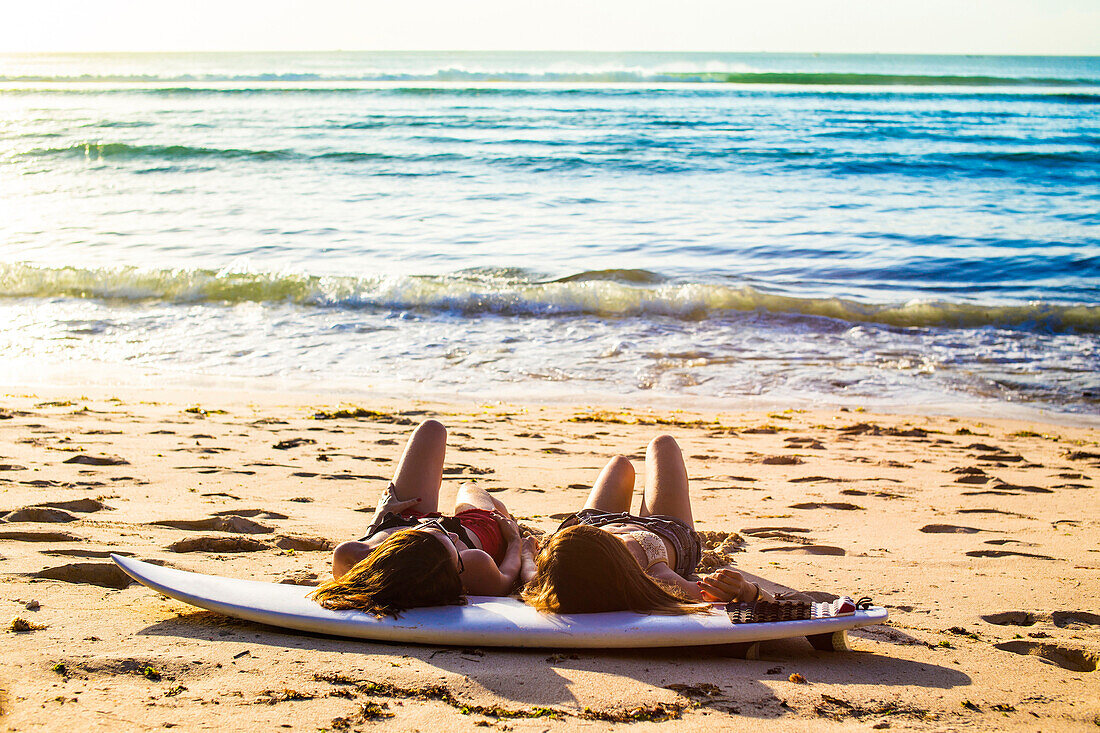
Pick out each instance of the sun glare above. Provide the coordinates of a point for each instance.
(1058, 27)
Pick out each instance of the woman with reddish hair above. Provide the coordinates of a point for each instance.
(605, 559)
(412, 555)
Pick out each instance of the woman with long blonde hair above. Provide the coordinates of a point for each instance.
(605, 559)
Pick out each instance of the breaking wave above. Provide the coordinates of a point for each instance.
(604, 294)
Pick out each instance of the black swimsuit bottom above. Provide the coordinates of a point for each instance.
(685, 541)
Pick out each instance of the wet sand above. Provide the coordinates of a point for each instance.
(980, 537)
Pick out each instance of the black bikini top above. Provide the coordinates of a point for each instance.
(391, 520)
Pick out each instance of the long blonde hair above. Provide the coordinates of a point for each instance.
(411, 569)
(582, 569)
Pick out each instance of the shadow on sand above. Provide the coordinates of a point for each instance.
(547, 678)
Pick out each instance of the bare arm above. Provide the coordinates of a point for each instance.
(721, 586)
(662, 573)
(528, 568)
(482, 576)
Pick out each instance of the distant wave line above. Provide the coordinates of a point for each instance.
(1053, 95)
(604, 294)
(1080, 163)
(801, 78)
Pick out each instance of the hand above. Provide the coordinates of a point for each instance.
(722, 586)
(531, 545)
(390, 503)
(509, 528)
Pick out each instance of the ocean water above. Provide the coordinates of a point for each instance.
(712, 229)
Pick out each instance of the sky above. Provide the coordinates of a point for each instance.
(1057, 27)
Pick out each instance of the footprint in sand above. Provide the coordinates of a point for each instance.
(300, 577)
(104, 460)
(38, 514)
(263, 513)
(838, 505)
(41, 483)
(17, 467)
(106, 575)
(779, 533)
(40, 537)
(781, 460)
(215, 469)
(992, 511)
(1081, 455)
(771, 531)
(1011, 618)
(1007, 553)
(86, 553)
(218, 544)
(810, 443)
(237, 525)
(985, 448)
(879, 494)
(85, 506)
(353, 477)
(1002, 486)
(1000, 458)
(208, 450)
(949, 529)
(293, 443)
(1061, 619)
(1074, 619)
(304, 543)
(808, 550)
(464, 468)
(1076, 660)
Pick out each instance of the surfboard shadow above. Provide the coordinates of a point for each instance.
(545, 678)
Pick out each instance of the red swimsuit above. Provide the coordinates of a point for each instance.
(482, 524)
(477, 522)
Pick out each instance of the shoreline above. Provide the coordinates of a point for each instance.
(66, 380)
(978, 535)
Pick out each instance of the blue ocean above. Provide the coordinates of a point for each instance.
(721, 230)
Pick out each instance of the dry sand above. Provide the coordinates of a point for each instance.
(980, 537)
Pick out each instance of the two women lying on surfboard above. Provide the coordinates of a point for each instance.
(600, 559)
(413, 556)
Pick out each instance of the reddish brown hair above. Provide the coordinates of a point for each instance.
(411, 569)
(582, 569)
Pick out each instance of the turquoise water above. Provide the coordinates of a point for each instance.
(697, 227)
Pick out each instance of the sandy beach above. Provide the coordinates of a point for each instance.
(979, 536)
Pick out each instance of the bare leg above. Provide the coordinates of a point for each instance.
(614, 487)
(666, 481)
(472, 496)
(420, 471)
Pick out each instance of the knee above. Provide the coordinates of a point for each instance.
(622, 466)
(662, 444)
(432, 429)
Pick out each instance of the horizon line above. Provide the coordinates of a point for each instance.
(540, 50)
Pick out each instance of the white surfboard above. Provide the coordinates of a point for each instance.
(483, 621)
